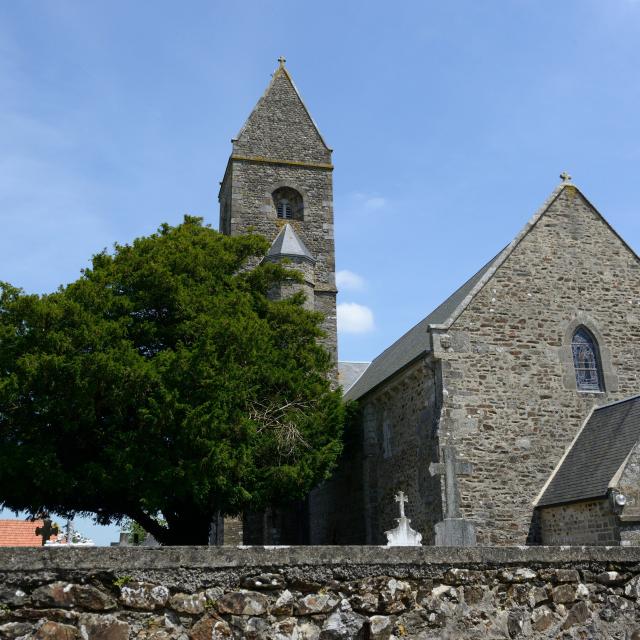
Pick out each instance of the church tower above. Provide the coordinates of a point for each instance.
(278, 183)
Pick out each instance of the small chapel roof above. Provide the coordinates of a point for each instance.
(596, 454)
(288, 245)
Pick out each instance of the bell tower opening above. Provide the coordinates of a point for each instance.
(288, 204)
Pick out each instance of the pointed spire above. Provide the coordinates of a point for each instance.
(280, 126)
(288, 245)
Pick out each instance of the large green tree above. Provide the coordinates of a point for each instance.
(165, 386)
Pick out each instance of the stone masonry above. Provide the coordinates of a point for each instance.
(280, 146)
(497, 379)
(319, 593)
(398, 423)
(590, 522)
(511, 401)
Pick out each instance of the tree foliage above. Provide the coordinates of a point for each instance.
(164, 382)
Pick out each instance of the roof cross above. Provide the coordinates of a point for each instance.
(282, 60)
(565, 177)
(401, 498)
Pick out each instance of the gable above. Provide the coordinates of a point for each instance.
(281, 128)
(567, 217)
(570, 236)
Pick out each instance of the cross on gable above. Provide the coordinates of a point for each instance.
(46, 531)
(282, 60)
(401, 498)
(451, 468)
(565, 177)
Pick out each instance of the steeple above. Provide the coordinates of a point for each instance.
(280, 126)
(278, 183)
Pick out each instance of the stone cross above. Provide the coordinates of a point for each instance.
(401, 498)
(450, 469)
(282, 60)
(46, 531)
(565, 177)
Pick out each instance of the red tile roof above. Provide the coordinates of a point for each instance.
(20, 533)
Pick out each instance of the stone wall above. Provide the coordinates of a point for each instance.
(318, 593)
(590, 522)
(394, 447)
(246, 205)
(511, 402)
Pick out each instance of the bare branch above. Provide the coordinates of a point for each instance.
(282, 420)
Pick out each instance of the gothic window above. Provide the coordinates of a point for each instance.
(586, 361)
(288, 204)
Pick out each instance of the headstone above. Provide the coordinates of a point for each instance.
(454, 530)
(403, 535)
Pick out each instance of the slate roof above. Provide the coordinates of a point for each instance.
(288, 245)
(349, 372)
(20, 533)
(416, 341)
(600, 448)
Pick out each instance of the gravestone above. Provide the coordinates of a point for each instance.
(403, 535)
(454, 530)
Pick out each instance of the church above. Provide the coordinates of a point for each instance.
(509, 415)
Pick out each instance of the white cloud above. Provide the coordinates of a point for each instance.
(374, 202)
(349, 281)
(354, 318)
(369, 202)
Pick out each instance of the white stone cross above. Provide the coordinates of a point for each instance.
(282, 60)
(565, 177)
(401, 498)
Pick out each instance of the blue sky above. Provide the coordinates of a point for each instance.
(450, 124)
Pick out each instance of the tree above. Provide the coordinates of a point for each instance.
(164, 385)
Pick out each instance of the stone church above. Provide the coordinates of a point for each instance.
(491, 413)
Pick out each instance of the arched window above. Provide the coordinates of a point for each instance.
(586, 361)
(288, 204)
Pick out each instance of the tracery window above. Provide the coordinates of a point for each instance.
(586, 361)
(288, 204)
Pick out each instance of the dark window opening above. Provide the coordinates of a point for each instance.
(288, 204)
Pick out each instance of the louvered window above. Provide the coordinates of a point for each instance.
(284, 210)
(586, 361)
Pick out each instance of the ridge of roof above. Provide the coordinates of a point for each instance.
(282, 70)
(287, 244)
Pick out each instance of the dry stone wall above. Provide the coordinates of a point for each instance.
(319, 593)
